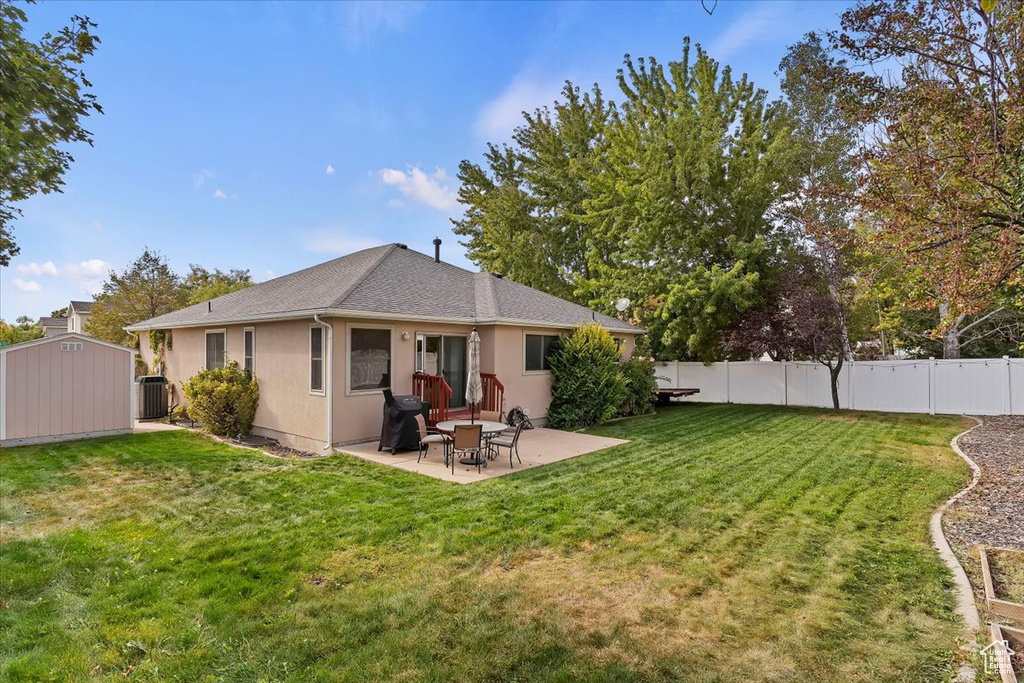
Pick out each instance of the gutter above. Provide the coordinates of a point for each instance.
(345, 313)
(330, 380)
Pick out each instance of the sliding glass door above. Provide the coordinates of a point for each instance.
(444, 354)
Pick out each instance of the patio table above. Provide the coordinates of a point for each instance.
(487, 427)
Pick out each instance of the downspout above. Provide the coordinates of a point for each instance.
(330, 380)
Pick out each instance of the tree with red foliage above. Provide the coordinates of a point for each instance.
(803, 322)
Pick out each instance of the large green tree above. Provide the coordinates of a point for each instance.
(202, 284)
(670, 199)
(43, 98)
(24, 329)
(943, 102)
(147, 288)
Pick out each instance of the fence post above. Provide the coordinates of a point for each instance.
(850, 395)
(1009, 386)
(728, 392)
(931, 385)
(785, 382)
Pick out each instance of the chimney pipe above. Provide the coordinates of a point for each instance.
(437, 250)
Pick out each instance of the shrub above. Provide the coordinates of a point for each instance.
(223, 400)
(587, 386)
(638, 375)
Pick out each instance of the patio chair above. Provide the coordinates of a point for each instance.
(429, 435)
(468, 440)
(512, 444)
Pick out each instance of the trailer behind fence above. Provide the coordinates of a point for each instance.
(993, 386)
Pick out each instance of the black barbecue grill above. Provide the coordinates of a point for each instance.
(399, 429)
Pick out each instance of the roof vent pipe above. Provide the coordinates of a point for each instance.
(437, 250)
(209, 306)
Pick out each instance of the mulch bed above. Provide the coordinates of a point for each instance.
(993, 512)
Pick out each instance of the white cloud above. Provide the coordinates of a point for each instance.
(431, 190)
(332, 241)
(98, 225)
(500, 116)
(88, 275)
(363, 20)
(765, 23)
(330, 170)
(220, 194)
(27, 286)
(37, 269)
(199, 179)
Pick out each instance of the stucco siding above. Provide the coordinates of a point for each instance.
(53, 393)
(290, 413)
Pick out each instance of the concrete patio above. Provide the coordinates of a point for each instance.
(537, 447)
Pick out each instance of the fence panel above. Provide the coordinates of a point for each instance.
(992, 386)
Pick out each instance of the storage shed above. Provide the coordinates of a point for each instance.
(71, 386)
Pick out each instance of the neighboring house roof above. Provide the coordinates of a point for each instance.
(46, 321)
(80, 307)
(390, 281)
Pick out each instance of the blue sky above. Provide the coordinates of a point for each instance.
(273, 136)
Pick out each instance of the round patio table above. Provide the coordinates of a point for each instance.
(487, 427)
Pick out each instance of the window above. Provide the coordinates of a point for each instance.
(214, 349)
(249, 353)
(369, 358)
(538, 348)
(316, 359)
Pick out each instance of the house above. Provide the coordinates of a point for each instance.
(78, 315)
(326, 340)
(53, 326)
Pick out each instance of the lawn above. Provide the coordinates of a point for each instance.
(723, 543)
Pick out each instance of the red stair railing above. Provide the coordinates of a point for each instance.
(433, 389)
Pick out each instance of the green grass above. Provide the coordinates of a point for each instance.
(723, 543)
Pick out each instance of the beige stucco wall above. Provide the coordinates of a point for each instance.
(77, 322)
(288, 411)
(50, 393)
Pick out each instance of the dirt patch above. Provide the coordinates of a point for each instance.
(102, 491)
(1007, 574)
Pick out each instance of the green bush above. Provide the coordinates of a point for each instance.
(638, 375)
(223, 400)
(587, 386)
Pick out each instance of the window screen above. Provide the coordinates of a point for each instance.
(369, 359)
(538, 348)
(214, 350)
(316, 359)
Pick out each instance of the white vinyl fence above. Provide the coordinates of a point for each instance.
(993, 386)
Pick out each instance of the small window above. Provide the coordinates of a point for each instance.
(71, 346)
(250, 351)
(316, 359)
(369, 358)
(538, 348)
(214, 350)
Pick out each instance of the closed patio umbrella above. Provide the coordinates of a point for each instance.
(474, 386)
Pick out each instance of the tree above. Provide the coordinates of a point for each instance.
(146, 289)
(59, 313)
(802, 322)
(43, 97)
(202, 285)
(943, 168)
(825, 140)
(525, 218)
(25, 329)
(655, 200)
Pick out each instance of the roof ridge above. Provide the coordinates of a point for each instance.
(484, 294)
(365, 274)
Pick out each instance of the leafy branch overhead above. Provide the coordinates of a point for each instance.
(44, 95)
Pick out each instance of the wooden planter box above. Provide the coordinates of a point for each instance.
(1004, 608)
(1015, 638)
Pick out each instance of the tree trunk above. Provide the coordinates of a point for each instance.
(834, 376)
(951, 344)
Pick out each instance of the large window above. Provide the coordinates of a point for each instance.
(249, 352)
(538, 348)
(369, 358)
(214, 349)
(316, 359)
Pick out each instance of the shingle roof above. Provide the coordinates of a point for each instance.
(82, 306)
(47, 321)
(388, 282)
